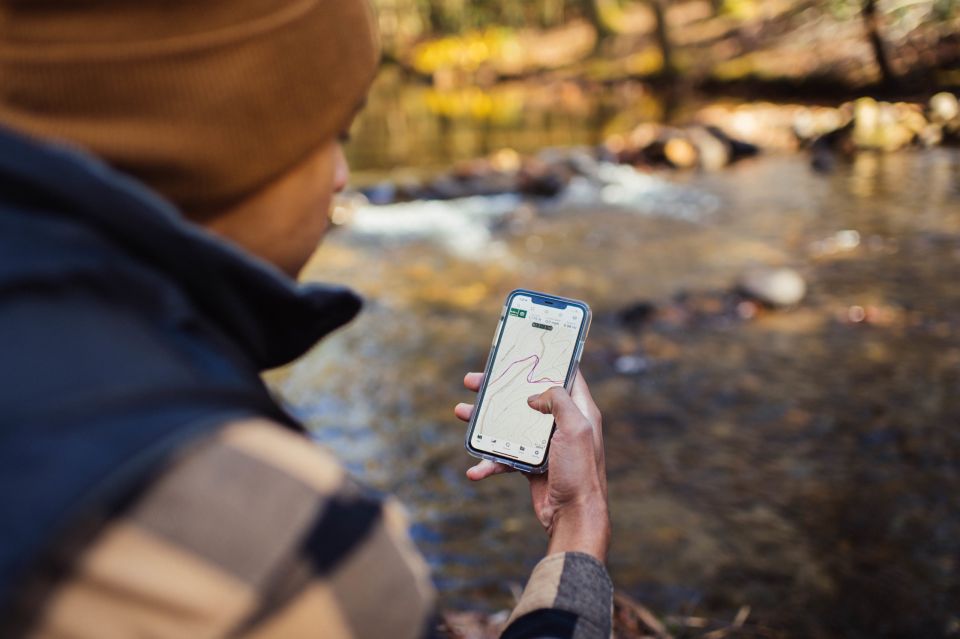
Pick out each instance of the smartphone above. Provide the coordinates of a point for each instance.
(537, 345)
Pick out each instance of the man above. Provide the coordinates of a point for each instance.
(166, 169)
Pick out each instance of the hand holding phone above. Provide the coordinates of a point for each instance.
(570, 500)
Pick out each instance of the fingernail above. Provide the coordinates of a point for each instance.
(531, 398)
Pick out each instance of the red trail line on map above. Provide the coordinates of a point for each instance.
(529, 381)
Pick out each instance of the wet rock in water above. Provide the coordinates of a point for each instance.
(644, 145)
(409, 189)
(944, 111)
(542, 179)
(465, 184)
(707, 147)
(583, 163)
(877, 125)
(705, 305)
(469, 169)
(637, 314)
(496, 183)
(777, 287)
(505, 160)
(931, 135)
(444, 187)
(631, 364)
(823, 160)
(680, 153)
(910, 117)
(831, 146)
(603, 153)
(380, 193)
(712, 153)
(811, 123)
(737, 148)
(943, 107)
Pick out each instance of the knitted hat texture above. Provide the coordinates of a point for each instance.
(204, 100)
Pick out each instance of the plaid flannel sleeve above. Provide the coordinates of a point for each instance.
(569, 596)
(255, 533)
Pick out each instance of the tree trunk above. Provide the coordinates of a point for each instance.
(871, 21)
(551, 13)
(663, 38)
(434, 15)
(602, 14)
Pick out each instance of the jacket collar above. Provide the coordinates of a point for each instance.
(270, 317)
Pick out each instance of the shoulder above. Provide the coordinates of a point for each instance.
(254, 531)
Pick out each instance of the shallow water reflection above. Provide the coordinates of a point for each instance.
(418, 127)
(805, 463)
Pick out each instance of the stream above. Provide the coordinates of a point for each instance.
(803, 462)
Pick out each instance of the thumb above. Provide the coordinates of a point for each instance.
(555, 401)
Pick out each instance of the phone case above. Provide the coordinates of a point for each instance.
(568, 382)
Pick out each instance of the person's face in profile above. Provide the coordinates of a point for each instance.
(284, 222)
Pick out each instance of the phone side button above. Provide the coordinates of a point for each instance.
(496, 333)
(576, 357)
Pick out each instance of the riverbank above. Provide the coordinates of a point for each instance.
(712, 138)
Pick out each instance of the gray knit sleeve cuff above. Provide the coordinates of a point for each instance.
(575, 583)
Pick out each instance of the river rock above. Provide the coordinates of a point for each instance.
(680, 152)
(582, 162)
(943, 107)
(737, 148)
(911, 117)
(633, 148)
(637, 314)
(381, 193)
(713, 153)
(505, 160)
(773, 286)
(631, 364)
(878, 125)
(830, 146)
(542, 179)
(931, 135)
(812, 123)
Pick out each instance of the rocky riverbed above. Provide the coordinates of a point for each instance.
(715, 137)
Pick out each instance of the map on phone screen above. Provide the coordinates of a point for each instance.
(535, 351)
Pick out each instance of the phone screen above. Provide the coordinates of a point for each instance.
(536, 350)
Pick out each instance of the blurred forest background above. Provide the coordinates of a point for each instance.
(760, 199)
(841, 43)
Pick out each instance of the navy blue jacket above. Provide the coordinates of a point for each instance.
(125, 332)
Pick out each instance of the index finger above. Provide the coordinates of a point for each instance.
(472, 381)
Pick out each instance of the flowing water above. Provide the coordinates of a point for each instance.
(802, 462)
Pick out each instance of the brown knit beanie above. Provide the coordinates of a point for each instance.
(204, 100)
